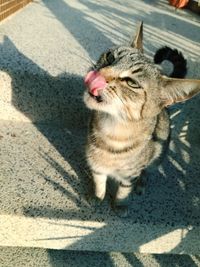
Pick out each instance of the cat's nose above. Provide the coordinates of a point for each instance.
(95, 82)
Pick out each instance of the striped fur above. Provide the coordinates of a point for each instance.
(129, 128)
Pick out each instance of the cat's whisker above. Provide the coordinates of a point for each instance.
(123, 105)
(87, 59)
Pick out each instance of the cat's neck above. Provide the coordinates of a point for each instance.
(112, 126)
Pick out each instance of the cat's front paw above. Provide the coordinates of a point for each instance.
(94, 200)
(121, 210)
(121, 207)
(140, 186)
(140, 190)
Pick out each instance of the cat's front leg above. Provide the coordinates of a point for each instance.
(122, 199)
(99, 181)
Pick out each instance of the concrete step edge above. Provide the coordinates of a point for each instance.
(95, 236)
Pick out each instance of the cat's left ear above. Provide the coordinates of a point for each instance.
(138, 40)
(178, 90)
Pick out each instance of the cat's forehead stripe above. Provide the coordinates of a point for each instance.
(127, 73)
(126, 52)
(137, 70)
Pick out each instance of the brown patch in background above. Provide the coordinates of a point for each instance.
(8, 7)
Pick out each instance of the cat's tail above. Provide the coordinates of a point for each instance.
(175, 57)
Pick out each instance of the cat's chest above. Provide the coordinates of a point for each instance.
(120, 135)
(115, 147)
(115, 130)
(122, 161)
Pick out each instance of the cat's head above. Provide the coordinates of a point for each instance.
(127, 85)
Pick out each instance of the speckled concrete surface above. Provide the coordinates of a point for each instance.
(44, 175)
(29, 257)
(42, 172)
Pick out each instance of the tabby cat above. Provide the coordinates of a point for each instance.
(129, 128)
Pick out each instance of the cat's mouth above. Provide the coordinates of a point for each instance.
(95, 83)
(98, 98)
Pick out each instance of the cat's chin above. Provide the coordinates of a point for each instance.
(93, 102)
(97, 98)
(100, 105)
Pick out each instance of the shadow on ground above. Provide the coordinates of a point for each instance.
(172, 197)
(119, 259)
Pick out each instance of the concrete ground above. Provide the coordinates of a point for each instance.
(34, 257)
(44, 54)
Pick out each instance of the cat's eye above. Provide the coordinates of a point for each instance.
(131, 82)
(109, 57)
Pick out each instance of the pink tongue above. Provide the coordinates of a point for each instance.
(95, 81)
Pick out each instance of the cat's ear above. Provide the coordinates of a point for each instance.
(178, 90)
(137, 42)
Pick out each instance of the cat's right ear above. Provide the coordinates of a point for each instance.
(178, 90)
(138, 40)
